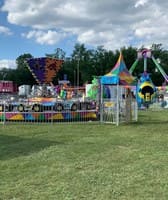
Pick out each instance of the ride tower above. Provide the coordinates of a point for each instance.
(146, 90)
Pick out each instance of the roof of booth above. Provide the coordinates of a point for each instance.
(119, 74)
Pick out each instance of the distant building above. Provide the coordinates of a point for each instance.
(8, 87)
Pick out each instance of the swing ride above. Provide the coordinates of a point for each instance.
(146, 90)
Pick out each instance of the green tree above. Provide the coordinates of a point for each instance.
(23, 74)
(80, 64)
(59, 54)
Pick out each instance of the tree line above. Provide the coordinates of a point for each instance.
(84, 64)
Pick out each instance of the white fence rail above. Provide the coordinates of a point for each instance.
(119, 107)
(48, 116)
(115, 109)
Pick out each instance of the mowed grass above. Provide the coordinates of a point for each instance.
(86, 161)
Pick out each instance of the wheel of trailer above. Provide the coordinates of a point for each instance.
(59, 107)
(1, 107)
(20, 108)
(74, 107)
(37, 108)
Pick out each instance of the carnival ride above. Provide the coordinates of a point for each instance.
(44, 70)
(46, 108)
(146, 90)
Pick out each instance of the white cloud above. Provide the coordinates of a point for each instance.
(45, 37)
(4, 30)
(7, 64)
(140, 3)
(109, 22)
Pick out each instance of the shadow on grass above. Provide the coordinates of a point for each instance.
(149, 122)
(13, 146)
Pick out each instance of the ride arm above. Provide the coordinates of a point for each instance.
(160, 69)
(133, 66)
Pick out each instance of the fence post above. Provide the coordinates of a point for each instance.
(136, 111)
(4, 118)
(117, 113)
(52, 115)
(128, 105)
(101, 103)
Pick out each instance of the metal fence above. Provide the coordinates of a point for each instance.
(49, 116)
(118, 107)
(114, 109)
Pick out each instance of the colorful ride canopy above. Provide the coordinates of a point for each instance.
(44, 69)
(119, 74)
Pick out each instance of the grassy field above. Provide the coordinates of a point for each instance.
(86, 161)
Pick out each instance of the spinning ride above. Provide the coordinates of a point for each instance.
(146, 90)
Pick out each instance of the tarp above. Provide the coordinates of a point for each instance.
(119, 74)
(44, 69)
(93, 90)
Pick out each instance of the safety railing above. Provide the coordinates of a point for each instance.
(22, 114)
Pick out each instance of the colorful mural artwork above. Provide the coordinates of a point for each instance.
(48, 116)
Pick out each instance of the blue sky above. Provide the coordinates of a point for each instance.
(39, 27)
(13, 44)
